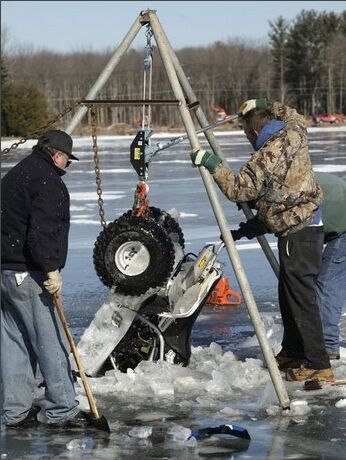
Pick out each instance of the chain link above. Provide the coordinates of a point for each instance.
(97, 166)
(43, 128)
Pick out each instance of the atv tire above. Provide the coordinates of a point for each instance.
(168, 223)
(133, 254)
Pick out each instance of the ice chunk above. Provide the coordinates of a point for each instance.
(299, 407)
(341, 403)
(178, 433)
(206, 402)
(142, 432)
(231, 412)
(268, 397)
(162, 388)
(76, 444)
(274, 410)
(83, 401)
(232, 375)
(274, 333)
(188, 383)
(108, 327)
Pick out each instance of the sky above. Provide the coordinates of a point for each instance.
(68, 26)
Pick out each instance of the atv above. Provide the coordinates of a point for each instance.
(157, 290)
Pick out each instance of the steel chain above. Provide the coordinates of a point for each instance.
(97, 166)
(42, 129)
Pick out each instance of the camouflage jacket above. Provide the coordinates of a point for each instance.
(278, 177)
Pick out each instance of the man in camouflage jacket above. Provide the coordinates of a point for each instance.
(280, 181)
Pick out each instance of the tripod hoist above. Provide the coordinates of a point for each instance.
(192, 278)
(127, 252)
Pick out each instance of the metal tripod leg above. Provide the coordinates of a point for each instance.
(166, 55)
(106, 73)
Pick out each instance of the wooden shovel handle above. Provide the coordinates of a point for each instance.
(91, 400)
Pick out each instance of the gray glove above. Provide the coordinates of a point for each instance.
(53, 283)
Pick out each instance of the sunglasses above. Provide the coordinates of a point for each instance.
(52, 151)
(68, 162)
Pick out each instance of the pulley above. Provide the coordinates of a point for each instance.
(137, 153)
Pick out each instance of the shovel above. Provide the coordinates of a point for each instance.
(96, 421)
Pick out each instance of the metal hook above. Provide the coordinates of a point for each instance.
(149, 34)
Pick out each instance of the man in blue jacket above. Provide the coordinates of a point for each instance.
(35, 225)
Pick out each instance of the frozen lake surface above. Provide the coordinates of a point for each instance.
(153, 409)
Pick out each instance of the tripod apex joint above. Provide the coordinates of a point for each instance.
(144, 16)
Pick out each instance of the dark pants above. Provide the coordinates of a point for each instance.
(300, 257)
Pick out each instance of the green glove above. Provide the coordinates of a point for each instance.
(261, 103)
(206, 159)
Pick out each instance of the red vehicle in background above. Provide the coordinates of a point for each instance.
(328, 118)
(218, 113)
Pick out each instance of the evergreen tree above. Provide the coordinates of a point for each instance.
(23, 109)
(4, 73)
(306, 53)
(4, 76)
(278, 40)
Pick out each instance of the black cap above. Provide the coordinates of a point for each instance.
(58, 140)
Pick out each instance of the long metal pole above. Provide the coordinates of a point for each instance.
(165, 52)
(217, 150)
(106, 73)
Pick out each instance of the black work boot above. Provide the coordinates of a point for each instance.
(29, 421)
(285, 360)
(80, 420)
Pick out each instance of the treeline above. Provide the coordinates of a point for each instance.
(304, 64)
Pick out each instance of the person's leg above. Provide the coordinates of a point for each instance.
(331, 291)
(292, 344)
(17, 359)
(301, 266)
(53, 358)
